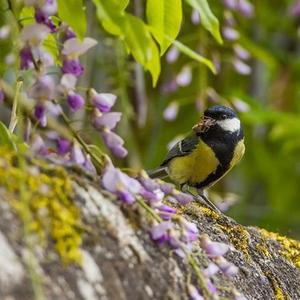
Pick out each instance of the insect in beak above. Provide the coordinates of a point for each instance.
(204, 124)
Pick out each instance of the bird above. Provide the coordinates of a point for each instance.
(207, 154)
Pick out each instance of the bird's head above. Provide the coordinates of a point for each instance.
(221, 116)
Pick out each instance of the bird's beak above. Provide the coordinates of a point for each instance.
(204, 124)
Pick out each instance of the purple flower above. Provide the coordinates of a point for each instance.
(184, 78)
(153, 197)
(67, 83)
(40, 114)
(211, 270)
(167, 188)
(172, 55)
(231, 4)
(148, 183)
(125, 196)
(68, 34)
(166, 212)
(89, 166)
(49, 7)
(183, 198)
(241, 67)
(245, 8)
(26, 58)
(77, 155)
(212, 249)
(2, 96)
(190, 230)
(210, 286)
(108, 120)
(241, 52)
(4, 32)
(75, 101)
(120, 184)
(226, 267)
(43, 18)
(171, 111)
(72, 66)
(34, 34)
(63, 146)
(120, 151)
(113, 141)
(159, 232)
(193, 293)
(169, 87)
(195, 17)
(241, 106)
(38, 146)
(43, 88)
(294, 9)
(103, 101)
(74, 47)
(230, 33)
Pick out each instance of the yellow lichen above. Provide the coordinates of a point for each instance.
(263, 249)
(290, 248)
(279, 294)
(238, 236)
(43, 202)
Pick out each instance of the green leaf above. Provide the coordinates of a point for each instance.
(110, 15)
(133, 32)
(194, 55)
(189, 52)
(165, 17)
(140, 43)
(122, 4)
(73, 13)
(27, 16)
(208, 19)
(5, 137)
(50, 46)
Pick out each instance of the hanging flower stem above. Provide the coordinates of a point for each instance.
(14, 118)
(81, 141)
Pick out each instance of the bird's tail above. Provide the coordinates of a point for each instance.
(160, 172)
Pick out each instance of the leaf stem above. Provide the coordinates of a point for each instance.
(14, 118)
(199, 276)
(149, 210)
(81, 141)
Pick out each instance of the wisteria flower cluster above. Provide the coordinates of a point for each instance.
(55, 92)
(170, 228)
(46, 88)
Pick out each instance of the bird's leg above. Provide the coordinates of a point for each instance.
(202, 197)
(185, 189)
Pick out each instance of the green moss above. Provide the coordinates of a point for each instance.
(289, 248)
(43, 201)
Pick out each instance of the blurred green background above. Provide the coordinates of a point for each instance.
(267, 180)
(258, 74)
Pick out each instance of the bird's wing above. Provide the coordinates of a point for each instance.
(182, 148)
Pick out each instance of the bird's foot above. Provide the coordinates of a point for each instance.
(200, 197)
(207, 202)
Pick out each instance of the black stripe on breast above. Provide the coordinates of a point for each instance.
(223, 144)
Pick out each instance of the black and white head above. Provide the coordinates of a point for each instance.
(224, 117)
(219, 116)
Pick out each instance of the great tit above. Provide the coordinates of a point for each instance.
(215, 145)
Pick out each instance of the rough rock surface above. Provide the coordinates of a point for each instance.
(111, 255)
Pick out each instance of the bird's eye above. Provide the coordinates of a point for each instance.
(223, 117)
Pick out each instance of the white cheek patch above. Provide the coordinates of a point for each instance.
(231, 125)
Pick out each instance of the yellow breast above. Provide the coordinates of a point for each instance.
(238, 153)
(194, 167)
